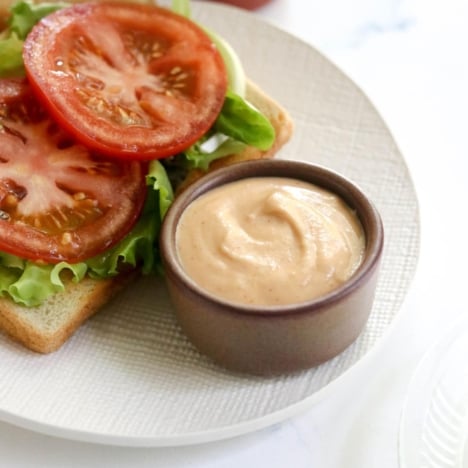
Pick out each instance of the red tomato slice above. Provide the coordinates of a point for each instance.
(57, 200)
(128, 80)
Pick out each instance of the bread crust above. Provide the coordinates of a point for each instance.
(45, 328)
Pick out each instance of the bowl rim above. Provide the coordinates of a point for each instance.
(300, 170)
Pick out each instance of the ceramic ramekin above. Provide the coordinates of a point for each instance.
(270, 340)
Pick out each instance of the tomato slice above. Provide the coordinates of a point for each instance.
(58, 201)
(128, 80)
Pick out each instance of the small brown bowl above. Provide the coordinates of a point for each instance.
(269, 340)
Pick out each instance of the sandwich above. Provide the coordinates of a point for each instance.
(107, 112)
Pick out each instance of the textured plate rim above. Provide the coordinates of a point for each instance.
(201, 437)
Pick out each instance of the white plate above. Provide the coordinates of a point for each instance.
(434, 423)
(129, 377)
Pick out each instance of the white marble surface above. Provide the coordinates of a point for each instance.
(409, 56)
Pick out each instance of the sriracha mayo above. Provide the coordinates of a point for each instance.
(269, 241)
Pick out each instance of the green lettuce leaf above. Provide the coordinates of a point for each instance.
(201, 154)
(11, 64)
(32, 283)
(238, 125)
(234, 69)
(140, 246)
(137, 248)
(24, 15)
(158, 180)
(241, 121)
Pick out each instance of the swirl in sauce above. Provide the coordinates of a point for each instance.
(269, 241)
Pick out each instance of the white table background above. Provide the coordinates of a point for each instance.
(410, 57)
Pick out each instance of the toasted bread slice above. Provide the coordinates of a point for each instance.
(46, 327)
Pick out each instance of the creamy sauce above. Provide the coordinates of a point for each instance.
(269, 241)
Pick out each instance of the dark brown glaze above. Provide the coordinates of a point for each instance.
(271, 340)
